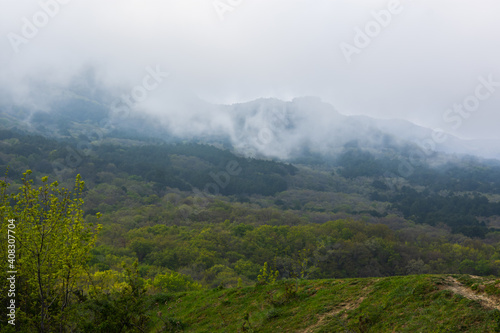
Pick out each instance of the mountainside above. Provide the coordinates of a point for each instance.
(249, 166)
(181, 216)
(262, 128)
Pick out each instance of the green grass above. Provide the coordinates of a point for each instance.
(419, 303)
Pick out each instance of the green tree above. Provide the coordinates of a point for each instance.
(121, 310)
(174, 282)
(53, 245)
(267, 275)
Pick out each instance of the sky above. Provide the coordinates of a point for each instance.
(435, 63)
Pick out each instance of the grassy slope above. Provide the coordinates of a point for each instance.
(418, 303)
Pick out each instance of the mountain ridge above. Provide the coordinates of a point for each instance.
(265, 127)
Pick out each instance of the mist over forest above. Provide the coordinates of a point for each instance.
(266, 127)
(236, 166)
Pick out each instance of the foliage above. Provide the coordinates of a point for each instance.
(327, 219)
(52, 248)
(267, 275)
(458, 211)
(175, 282)
(122, 310)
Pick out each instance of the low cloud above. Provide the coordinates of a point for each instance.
(427, 58)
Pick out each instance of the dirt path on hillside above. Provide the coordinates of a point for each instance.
(486, 300)
(451, 284)
(344, 307)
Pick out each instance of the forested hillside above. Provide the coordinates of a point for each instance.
(194, 216)
(226, 215)
(249, 166)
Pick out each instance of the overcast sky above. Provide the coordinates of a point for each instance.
(418, 60)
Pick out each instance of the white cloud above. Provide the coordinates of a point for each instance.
(428, 58)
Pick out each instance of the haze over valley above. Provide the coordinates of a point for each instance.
(249, 166)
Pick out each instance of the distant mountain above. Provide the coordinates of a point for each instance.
(267, 128)
(276, 128)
